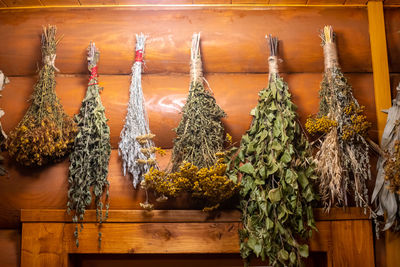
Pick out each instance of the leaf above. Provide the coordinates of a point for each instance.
(253, 112)
(286, 158)
(303, 180)
(292, 257)
(303, 250)
(247, 168)
(273, 169)
(283, 255)
(275, 195)
(269, 223)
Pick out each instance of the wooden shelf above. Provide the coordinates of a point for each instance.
(345, 235)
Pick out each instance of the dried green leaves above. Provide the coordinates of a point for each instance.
(277, 177)
(89, 160)
(46, 133)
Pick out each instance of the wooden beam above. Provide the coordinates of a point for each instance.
(162, 216)
(380, 66)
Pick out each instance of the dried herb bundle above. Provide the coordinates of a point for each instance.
(45, 134)
(89, 160)
(275, 162)
(342, 160)
(136, 146)
(3, 81)
(198, 164)
(386, 195)
(200, 134)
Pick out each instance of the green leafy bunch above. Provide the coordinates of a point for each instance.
(275, 166)
(89, 160)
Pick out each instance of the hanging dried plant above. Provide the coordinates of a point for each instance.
(198, 159)
(3, 81)
(45, 134)
(342, 159)
(386, 195)
(136, 146)
(89, 160)
(275, 164)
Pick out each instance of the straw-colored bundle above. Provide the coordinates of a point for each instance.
(342, 159)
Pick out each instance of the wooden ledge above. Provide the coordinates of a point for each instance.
(142, 216)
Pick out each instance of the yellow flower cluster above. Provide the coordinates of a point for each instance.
(32, 144)
(321, 125)
(359, 123)
(392, 169)
(210, 184)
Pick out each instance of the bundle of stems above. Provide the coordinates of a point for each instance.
(89, 159)
(3, 81)
(198, 158)
(275, 164)
(386, 195)
(46, 133)
(342, 160)
(136, 146)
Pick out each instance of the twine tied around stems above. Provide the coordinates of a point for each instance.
(51, 61)
(329, 45)
(196, 66)
(273, 58)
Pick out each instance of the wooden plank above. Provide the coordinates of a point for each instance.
(60, 2)
(392, 25)
(250, 1)
(392, 241)
(356, 2)
(154, 2)
(353, 243)
(170, 32)
(2, 4)
(280, 2)
(10, 247)
(165, 95)
(155, 238)
(42, 245)
(135, 216)
(22, 3)
(391, 2)
(379, 62)
(325, 2)
(212, 2)
(97, 2)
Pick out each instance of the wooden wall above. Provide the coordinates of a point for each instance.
(235, 62)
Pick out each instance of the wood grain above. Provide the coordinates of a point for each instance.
(132, 216)
(232, 40)
(379, 63)
(22, 3)
(98, 2)
(154, 2)
(60, 2)
(165, 95)
(353, 243)
(10, 247)
(392, 26)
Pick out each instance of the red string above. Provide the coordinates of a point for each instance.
(93, 75)
(139, 56)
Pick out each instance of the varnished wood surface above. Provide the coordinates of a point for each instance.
(231, 40)
(51, 215)
(10, 247)
(379, 63)
(392, 26)
(165, 95)
(167, 238)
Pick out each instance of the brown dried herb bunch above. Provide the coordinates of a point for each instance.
(198, 158)
(342, 159)
(88, 169)
(46, 133)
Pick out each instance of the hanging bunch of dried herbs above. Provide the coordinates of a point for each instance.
(45, 134)
(89, 160)
(275, 164)
(198, 159)
(386, 195)
(3, 81)
(342, 160)
(136, 146)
